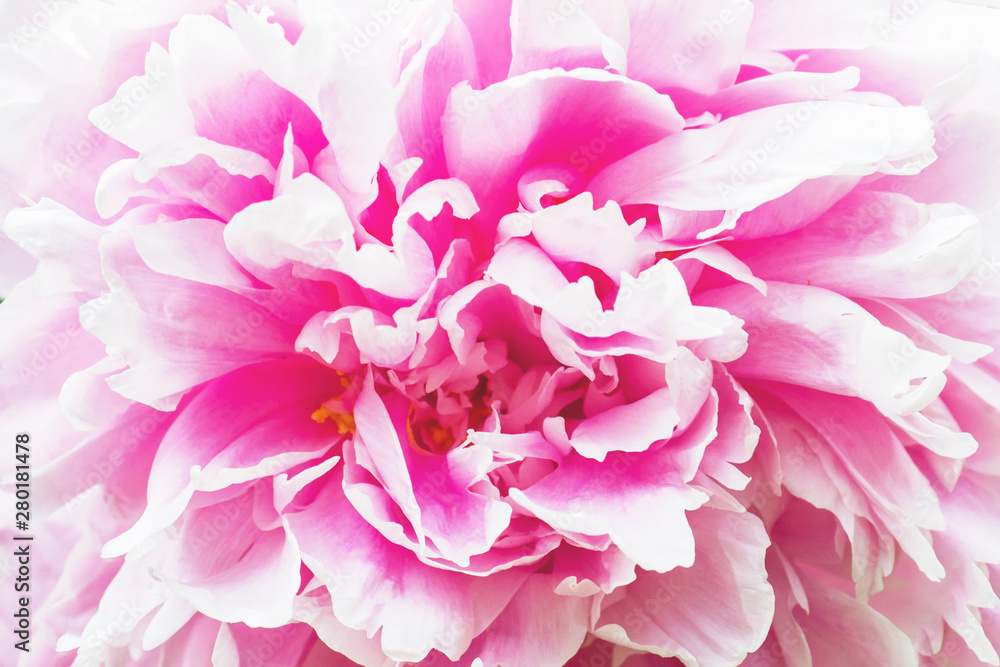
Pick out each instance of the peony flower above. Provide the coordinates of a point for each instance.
(540, 333)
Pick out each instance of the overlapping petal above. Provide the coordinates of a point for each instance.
(505, 333)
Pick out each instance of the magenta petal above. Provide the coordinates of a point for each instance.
(235, 445)
(434, 492)
(635, 116)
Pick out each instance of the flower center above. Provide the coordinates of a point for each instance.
(438, 423)
(429, 435)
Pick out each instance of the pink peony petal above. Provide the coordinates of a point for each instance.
(760, 155)
(527, 332)
(684, 612)
(608, 130)
(545, 35)
(852, 250)
(640, 482)
(678, 46)
(884, 373)
(187, 309)
(417, 608)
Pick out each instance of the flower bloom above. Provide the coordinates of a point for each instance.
(523, 333)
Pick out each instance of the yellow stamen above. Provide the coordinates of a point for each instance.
(345, 422)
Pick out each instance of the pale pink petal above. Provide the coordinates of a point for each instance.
(783, 25)
(685, 612)
(154, 322)
(627, 428)
(839, 627)
(149, 109)
(51, 232)
(230, 570)
(781, 88)
(878, 483)
(750, 159)
(575, 232)
(679, 46)
(582, 572)
(923, 609)
(375, 584)
(351, 646)
(537, 627)
(966, 148)
(873, 244)
(549, 34)
(575, 499)
(844, 350)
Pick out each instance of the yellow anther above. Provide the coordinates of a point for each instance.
(345, 422)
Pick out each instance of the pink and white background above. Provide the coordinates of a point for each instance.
(517, 333)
